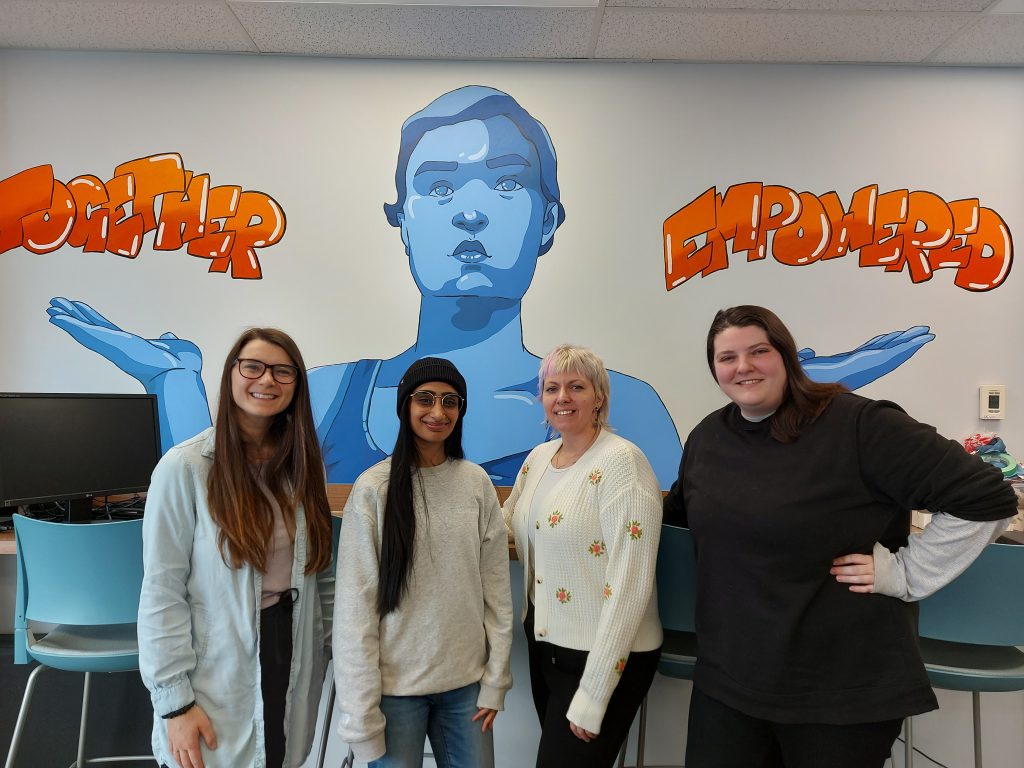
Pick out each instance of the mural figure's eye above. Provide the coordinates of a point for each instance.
(508, 185)
(441, 189)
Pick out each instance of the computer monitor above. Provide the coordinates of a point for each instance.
(74, 447)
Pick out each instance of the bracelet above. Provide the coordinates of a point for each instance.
(178, 712)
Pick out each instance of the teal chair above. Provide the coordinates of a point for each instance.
(86, 580)
(969, 630)
(677, 607)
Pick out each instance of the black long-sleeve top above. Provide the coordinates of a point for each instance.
(778, 637)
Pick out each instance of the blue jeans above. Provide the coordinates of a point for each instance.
(447, 718)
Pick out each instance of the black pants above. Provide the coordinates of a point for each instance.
(275, 663)
(555, 674)
(722, 737)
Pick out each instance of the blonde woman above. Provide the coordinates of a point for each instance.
(585, 512)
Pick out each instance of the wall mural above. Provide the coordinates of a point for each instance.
(224, 223)
(897, 229)
(478, 203)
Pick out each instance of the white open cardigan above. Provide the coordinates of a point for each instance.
(595, 549)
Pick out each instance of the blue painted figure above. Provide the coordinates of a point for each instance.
(478, 204)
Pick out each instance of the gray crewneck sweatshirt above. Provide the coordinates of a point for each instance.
(453, 626)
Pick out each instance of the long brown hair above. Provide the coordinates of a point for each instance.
(803, 399)
(294, 473)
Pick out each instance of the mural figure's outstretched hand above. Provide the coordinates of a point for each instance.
(142, 359)
(167, 367)
(871, 360)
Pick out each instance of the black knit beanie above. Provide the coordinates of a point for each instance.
(430, 369)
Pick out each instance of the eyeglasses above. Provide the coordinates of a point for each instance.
(254, 369)
(449, 400)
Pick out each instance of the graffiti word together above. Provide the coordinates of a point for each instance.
(156, 193)
(916, 230)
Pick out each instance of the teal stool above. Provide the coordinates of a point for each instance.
(969, 630)
(85, 579)
(677, 606)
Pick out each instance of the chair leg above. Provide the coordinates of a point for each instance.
(22, 715)
(80, 760)
(908, 743)
(641, 734)
(976, 707)
(326, 734)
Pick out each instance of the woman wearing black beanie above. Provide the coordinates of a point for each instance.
(423, 586)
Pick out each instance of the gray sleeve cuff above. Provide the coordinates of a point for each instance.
(371, 749)
(491, 697)
(889, 577)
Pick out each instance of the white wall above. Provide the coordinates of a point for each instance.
(635, 143)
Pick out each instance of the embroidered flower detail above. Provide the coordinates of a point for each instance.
(634, 530)
(597, 548)
(607, 590)
(555, 518)
(525, 470)
(620, 666)
(563, 595)
(595, 477)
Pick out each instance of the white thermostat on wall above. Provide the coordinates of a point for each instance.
(992, 401)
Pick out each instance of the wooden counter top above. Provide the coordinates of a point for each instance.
(337, 495)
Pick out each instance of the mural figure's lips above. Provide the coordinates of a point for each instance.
(470, 252)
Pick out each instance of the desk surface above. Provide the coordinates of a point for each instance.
(337, 495)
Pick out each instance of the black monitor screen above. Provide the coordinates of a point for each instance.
(73, 446)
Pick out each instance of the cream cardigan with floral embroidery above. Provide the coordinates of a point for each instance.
(595, 549)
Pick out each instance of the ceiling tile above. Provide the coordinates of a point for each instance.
(457, 3)
(779, 37)
(331, 29)
(131, 25)
(812, 5)
(994, 39)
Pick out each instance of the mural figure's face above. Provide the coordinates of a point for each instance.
(432, 424)
(750, 370)
(474, 217)
(258, 401)
(570, 403)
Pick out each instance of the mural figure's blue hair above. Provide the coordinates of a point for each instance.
(477, 102)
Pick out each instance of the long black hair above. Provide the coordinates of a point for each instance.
(398, 533)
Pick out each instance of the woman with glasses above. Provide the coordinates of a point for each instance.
(236, 540)
(424, 628)
(585, 512)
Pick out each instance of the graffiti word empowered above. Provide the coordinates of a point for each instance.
(156, 193)
(916, 230)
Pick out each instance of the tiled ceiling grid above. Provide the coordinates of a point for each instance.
(958, 32)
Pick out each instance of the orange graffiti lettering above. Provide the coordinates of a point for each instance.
(917, 231)
(225, 224)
